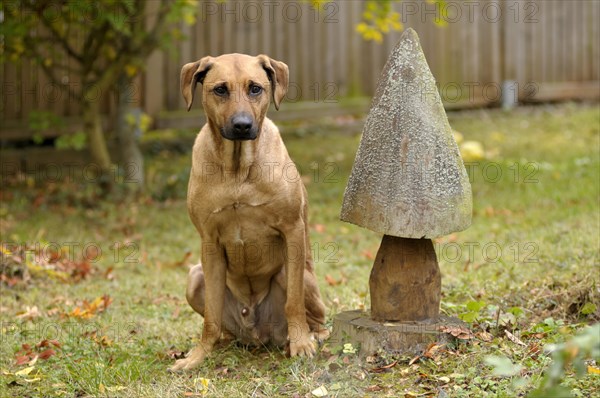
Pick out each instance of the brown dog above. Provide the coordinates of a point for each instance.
(256, 280)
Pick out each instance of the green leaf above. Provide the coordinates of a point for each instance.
(588, 308)
(469, 317)
(554, 392)
(516, 311)
(75, 141)
(476, 305)
(37, 138)
(502, 366)
(119, 22)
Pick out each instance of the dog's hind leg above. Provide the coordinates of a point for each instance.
(195, 297)
(194, 292)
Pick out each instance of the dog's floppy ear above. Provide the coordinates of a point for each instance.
(191, 74)
(279, 75)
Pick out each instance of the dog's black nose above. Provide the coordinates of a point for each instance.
(242, 124)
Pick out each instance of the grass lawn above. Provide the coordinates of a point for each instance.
(529, 265)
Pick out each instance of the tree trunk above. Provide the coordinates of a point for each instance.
(131, 160)
(97, 142)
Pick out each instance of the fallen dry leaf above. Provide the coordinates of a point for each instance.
(432, 350)
(25, 371)
(514, 338)
(108, 274)
(29, 313)
(459, 332)
(47, 343)
(22, 359)
(593, 370)
(382, 369)
(484, 336)
(534, 350)
(368, 254)
(104, 341)
(30, 355)
(88, 310)
(331, 281)
(116, 388)
(320, 228)
(181, 262)
(54, 311)
(415, 359)
(46, 353)
(320, 392)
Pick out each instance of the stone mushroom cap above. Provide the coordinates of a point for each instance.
(408, 179)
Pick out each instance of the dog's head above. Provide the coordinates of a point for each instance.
(236, 91)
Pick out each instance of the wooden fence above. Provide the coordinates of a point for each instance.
(548, 49)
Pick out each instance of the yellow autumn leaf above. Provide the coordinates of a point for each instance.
(116, 388)
(25, 371)
(202, 382)
(593, 370)
(458, 137)
(131, 70)
(33, 361)
(362, 28)
(189, 19)
(18, 46)
(320, 392)
(472, 151)
(396, 25)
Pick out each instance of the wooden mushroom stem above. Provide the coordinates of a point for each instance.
(405, 281)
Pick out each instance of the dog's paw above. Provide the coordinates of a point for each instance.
(321, 335)
(303, 346)
(193, 359)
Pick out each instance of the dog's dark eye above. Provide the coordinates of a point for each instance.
(255, 90)
(220, 90)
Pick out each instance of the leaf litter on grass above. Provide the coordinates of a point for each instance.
(555, 305)
(23, 263)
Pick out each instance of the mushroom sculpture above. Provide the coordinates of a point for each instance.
(409, 183)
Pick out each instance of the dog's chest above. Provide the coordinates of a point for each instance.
(240, 223)
(247, 232)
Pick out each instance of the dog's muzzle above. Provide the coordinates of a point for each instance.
(241, 127)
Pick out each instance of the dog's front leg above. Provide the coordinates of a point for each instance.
(295, 311)
(214, 265)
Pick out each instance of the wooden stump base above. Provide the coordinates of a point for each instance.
(405, 282)
(402, 338)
